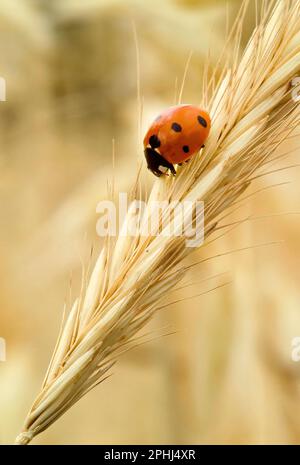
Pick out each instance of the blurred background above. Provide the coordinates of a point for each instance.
(226, 374)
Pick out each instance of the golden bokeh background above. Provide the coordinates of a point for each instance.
(226, 374)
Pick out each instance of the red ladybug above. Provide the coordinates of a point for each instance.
(174, 137)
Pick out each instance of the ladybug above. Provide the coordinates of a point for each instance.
(174, 137)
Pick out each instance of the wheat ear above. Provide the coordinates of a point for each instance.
(252, 113)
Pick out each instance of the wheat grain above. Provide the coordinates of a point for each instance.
(252, 113)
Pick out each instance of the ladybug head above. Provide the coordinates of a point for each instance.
(157, 163)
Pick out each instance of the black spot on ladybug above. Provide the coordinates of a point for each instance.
(202, 121)
(154, 141)
(176, 127)
(186, 149)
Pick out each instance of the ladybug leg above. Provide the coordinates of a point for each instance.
(155, 161)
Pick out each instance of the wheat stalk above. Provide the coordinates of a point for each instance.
(252, 113)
